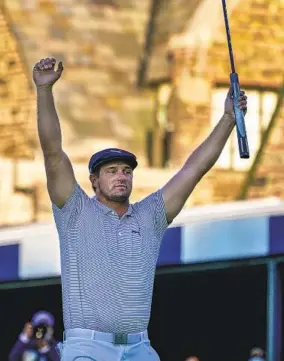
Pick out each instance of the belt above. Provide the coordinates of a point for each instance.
(116, 338)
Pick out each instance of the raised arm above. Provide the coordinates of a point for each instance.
(59, 171)
(22, 344)
(179, 188)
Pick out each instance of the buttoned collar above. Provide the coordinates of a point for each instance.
(106, 210)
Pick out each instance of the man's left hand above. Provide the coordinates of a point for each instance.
(229, 104)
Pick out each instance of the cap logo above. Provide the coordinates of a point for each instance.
(115, 151)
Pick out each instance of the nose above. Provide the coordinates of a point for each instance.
(121, 175)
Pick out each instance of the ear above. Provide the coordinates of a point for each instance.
(93, 179)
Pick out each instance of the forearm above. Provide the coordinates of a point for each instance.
(177, 190)
(206, 155)
(48, 123)
(18, 350)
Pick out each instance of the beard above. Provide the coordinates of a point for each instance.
(118, 198)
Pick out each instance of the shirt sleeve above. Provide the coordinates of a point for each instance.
(73, 206)
(153, 211)
(160, 215)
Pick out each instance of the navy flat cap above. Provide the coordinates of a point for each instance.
(42, 317)
(109, 155)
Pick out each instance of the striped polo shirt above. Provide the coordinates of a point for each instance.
(108, 262)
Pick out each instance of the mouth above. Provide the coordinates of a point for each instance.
(121, 186)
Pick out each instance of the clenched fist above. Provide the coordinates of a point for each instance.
(229, 103)
(44, 73)
(28, 330)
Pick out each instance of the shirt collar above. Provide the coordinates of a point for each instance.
(106, 210)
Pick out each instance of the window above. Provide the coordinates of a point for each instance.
(164, 93)
(158, 138)
(260, 109)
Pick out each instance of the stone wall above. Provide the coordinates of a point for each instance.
(257, 34)
(171, 18)
(17, 134)
(100, 44)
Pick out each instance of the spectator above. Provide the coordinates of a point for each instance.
(257, 354)
(36, 342)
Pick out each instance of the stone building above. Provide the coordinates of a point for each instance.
(149, 76)
(188, 66)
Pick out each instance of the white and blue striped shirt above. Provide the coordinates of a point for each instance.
(108, 262)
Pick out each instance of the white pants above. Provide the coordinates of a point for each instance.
(78, 348)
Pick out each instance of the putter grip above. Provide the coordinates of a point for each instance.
(239, 116)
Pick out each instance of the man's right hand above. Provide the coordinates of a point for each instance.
(59, 171)
(28, 330)
(44, 73)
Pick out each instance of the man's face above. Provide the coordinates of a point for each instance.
(114, 181)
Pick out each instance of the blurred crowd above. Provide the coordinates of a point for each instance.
(36, 342)
(256, 354)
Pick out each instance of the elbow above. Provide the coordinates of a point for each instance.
(196, 171)
(50, 146)
(200, 162)
(208, 163)
(51, 150)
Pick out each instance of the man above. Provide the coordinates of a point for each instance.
(109, 248)
(256, 354)
(36, 342)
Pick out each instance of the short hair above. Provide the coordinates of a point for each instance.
(96, 172)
